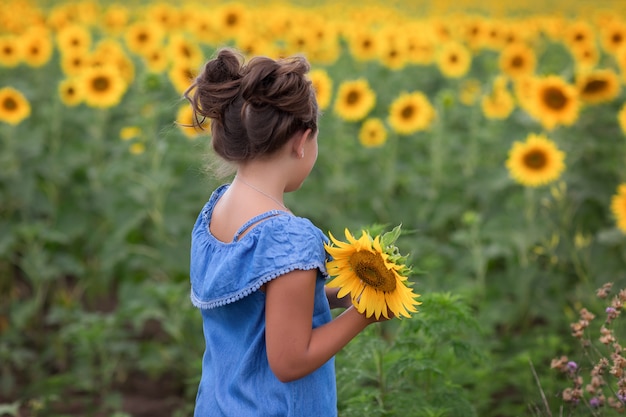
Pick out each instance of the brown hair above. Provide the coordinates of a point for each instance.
(255, 108)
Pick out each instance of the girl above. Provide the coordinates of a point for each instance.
(257, 270)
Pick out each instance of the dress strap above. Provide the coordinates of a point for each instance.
(255, 220)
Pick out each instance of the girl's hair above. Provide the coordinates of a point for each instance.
(255, 108)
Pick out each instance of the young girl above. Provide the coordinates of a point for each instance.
(257, 270)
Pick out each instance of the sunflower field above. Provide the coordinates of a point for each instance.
(495, 134)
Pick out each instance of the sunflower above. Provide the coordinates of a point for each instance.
(130, 132)
(102, 86)
(10, 51)
(372, 272)
(420, 46)
(392, 50)
(613, 36)
(75, 62)
(411, 112)
(578, 33)
(372, 133)
(165, 15)
(156, 61)
(232, 19)
(554, 102)
(323, 85)
(183, 50)
(363, 43)
(586, 56)
(355, 99)
(189, 125)
(535, 162)
(517, 59)
(74, 38)
(143, 36)
(498, 105)
(70, 92)
(181, 76)
(36, 47)
(13, 106)
(618, 207)
(454, 59)
(598, 86)
(115, 19)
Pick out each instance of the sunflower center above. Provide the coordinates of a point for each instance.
(535, 159)
(101, 84)
(353, 97)
(231, 20)
(517, 62)
(371, 269)
(407, 112)
(594, 86)
(9, 104)
(554, 98)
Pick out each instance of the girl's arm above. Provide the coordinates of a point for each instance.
(294, 349)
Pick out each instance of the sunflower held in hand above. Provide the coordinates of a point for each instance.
(373, 272)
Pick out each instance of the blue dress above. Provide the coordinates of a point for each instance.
(225, 281)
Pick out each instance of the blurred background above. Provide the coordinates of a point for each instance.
(494, 133)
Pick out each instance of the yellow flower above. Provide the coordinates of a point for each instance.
(74, 38)
(102, 86)
(181, 76)
(70, 92)
(164, 14)
(517, 59)
(143, 36)
(115, 19)
(613, 36)
(36, 47)
(598, 86)
(10, 51)
(577, 33)
(323, 85)
(232, 19)
(372, 133)
(618, 207)
(499, 104)
(535, 162)
(454, 59)
(363, 43)
(187, 123)
(355, 99)
(130, 132)
(183, 50)
(411, 112)
(137, 148)
(13, 106)
(371, 271)
(554, 102)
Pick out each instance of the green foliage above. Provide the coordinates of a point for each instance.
(413, 366)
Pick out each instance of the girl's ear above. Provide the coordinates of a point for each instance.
(299, 141)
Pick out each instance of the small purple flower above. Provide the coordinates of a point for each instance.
(572, 366)
(594, 402)
(610, 310)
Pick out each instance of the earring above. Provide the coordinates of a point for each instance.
(302, 155)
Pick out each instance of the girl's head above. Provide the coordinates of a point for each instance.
(255, 108)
